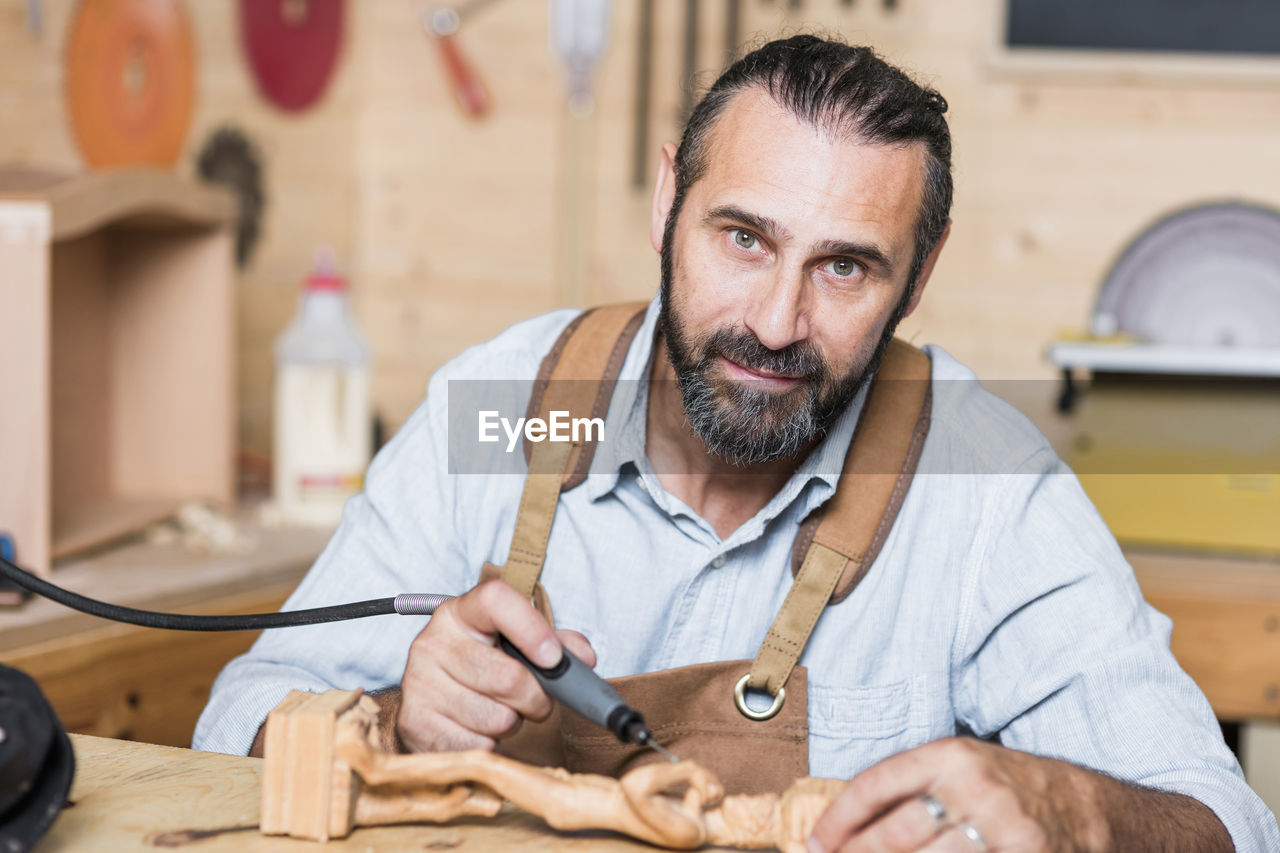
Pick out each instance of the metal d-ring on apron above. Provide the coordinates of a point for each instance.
(689, 708)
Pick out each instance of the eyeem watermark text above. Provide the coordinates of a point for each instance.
(558, 427)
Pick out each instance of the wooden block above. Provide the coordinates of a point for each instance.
(298, 783)
(274, 819)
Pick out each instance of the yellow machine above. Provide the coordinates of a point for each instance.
(1176, 427)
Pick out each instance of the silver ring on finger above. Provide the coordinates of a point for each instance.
(936, 810)
(972, 833)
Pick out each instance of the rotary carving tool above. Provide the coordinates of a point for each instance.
(570, 682)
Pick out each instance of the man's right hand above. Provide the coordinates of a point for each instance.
(460, 691)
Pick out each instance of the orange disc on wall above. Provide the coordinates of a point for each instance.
(130, 71)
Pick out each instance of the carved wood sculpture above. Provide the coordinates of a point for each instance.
(326, 774)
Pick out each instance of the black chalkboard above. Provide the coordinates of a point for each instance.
(1199, 26)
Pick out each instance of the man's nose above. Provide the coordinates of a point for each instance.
(778, 313)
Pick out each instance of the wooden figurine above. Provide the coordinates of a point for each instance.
(326, 774)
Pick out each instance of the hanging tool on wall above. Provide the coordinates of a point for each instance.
(579, 36)
(732, 30)
(443, 24)
(35, 17)
(292, 47)
(230, 159)
(643, 96)
(689, 75)
(130, 81)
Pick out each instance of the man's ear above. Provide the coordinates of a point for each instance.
(926, 270)
(664, 194)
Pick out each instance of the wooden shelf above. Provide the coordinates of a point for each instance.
(80, 526)
(117, 361)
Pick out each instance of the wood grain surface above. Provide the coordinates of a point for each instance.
(133, 796)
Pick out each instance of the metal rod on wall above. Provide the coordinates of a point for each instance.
(690, 58)
(643, 97)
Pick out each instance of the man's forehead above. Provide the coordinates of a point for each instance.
(761, 153)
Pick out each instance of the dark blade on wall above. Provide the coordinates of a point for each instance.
(732, 30)
(689, 78)
(643, 96)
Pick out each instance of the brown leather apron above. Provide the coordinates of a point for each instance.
(699, 712)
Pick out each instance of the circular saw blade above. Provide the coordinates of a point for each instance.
(130, 77)
(292, 47)
(1205, 276)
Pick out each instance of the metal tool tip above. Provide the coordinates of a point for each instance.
(638, 732)
(662, 750)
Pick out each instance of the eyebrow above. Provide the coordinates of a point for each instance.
(869, 253)
(761, 224)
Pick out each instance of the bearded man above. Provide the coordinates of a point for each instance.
(959, 635)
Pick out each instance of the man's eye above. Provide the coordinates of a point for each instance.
(843, 267)
(744, 239)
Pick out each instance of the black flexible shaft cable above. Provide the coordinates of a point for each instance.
(583, 691)
(187, 622)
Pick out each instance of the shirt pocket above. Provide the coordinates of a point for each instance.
(851, 728)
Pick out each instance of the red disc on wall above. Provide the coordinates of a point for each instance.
(130, 78)
(292, 47)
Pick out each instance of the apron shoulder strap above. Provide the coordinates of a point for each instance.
(879, 467)
(842, 539)
(577, 376)
(580, 371)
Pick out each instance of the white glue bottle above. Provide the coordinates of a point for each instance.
(323, 425)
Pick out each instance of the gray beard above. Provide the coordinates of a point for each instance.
(744, 425)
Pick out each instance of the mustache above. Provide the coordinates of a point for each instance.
(800, 359)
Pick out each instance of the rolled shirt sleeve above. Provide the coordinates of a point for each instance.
(1059, 654)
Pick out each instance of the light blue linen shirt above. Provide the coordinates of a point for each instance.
(999, 603)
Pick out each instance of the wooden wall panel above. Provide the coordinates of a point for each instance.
(449, 228)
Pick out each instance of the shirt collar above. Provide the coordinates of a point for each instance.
(624, 443)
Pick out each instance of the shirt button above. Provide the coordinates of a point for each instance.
(641, 483)
(718, 562)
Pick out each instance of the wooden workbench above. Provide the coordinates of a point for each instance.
(135, 796)
(1226, 625)
(114, 680)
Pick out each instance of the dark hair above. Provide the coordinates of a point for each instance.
(843, 90)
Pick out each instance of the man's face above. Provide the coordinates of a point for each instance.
(784, 277)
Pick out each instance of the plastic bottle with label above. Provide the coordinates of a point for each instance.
(323, 425)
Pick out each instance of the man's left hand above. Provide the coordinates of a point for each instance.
(967, 795)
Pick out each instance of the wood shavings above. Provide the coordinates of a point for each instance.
(199, 528)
